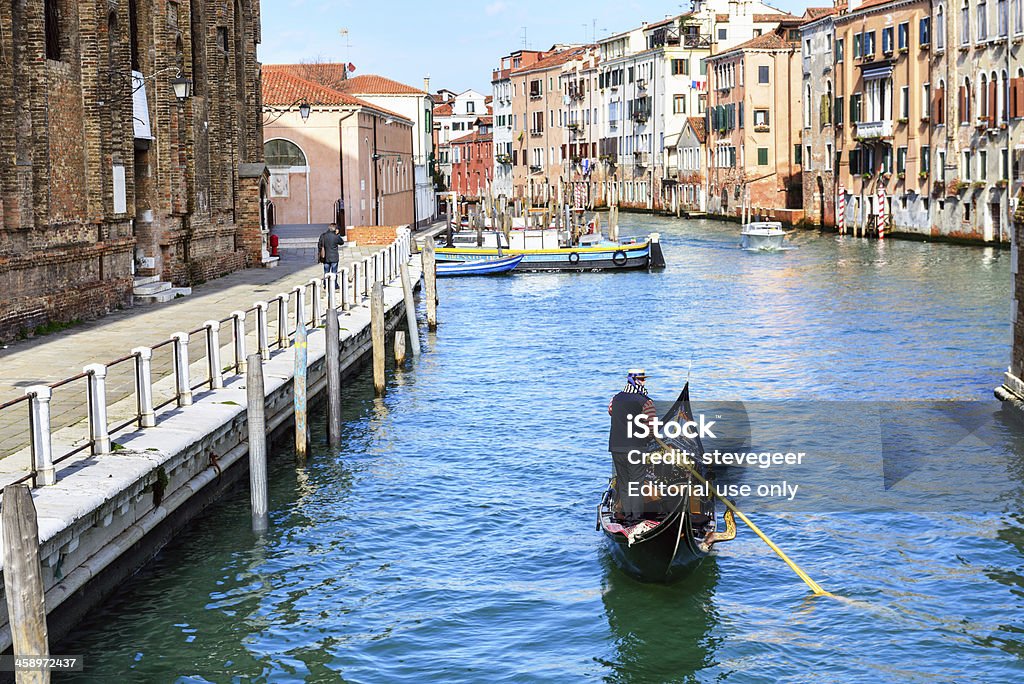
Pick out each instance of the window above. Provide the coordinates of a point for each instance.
(887, 45)
(536, 88)
(807, 157)
(855, 107)
(983, 165)
(1001, 18)
(942, 165)
(762, 156)
(940, 29)
(925, 31)
(679, 104)
(471, 107)
(965, 24)
(1018, 16)
(858, 45)
(854, 161)
(982, 20)
(52, 21)
(828, 42)
(761, 118)
(966, 170)
(722, 33)
(838, 109)
(869, 43)
(807, 106)
(828, 156)
(904, 36)
(839, 49)
(796, 154)
(926, 101)
(1004, 165)
(807, 47)
(702, 103)
(887, 160)
(901, 160)
(905, 102)
(762, 74)
(680, 67)
(926, 158)
(283, 153)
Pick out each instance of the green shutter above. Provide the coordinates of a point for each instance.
(762, 156)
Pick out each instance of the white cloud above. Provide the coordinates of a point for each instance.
(496, 7)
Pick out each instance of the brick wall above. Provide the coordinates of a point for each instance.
(64, 251)
(371, 235)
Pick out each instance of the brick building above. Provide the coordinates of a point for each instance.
(106, 174)
(473, 163)
(753, 132)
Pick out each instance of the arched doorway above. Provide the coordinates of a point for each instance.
(288, 163)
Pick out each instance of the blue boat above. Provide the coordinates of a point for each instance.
(481, 267)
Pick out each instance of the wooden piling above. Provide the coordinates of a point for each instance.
(430, 282)
(256, 418)
(377, 330)
(410, 310)
(23, 580)
(299, 392)
(333, 379)
(399, 347)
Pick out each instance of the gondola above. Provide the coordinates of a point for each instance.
(677, 532)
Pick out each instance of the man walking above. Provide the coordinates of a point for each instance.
(327, 250)
(631, 401)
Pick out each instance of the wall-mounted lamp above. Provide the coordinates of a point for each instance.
(182, 87)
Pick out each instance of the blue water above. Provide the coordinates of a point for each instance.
(452, 537)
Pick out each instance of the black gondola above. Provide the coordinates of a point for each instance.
(678, 530)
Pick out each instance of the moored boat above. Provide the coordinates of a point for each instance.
(450, 269)
(763, 235)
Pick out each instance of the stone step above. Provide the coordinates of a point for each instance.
(150, 288)
(167, 295)
(145, 280)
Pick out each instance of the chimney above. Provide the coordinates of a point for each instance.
(426, 84)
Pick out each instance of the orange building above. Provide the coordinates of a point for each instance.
(753, 133)
(473, 163)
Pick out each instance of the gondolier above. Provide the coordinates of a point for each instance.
(631, 401)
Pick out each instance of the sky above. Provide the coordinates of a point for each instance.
(456, 44)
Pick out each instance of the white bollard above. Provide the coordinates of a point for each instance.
(314, 294)
(181, 368)
(238, 329)
(144, 385)
(262, 341)
(300, 305)
(213, 354)
(42, 448)
(97, 379)
(332, 284)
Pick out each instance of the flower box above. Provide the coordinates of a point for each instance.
(1001, 183)
(901, 175)
(902, 120)
(922, 175)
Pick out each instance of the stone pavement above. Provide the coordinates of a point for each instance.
(50, 358)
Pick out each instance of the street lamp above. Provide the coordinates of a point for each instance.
(182, 87)
(304, 109)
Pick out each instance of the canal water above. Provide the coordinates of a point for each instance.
(452, 537)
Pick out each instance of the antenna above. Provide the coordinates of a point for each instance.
(347, 44)
(524, 38)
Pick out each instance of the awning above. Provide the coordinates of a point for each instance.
(877, 72)
(672, 140)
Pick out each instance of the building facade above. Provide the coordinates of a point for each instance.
(818, 137)
(883, 108)
(754, 143)
(688, 175)
(501, 105)
(473, 164)
(454, 119)
(345, 149)
(580, 115)
(109, 175)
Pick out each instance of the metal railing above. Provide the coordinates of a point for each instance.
(53, 422)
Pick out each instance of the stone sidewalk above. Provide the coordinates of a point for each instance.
(51, 358)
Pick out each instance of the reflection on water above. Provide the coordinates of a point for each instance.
(451, 537)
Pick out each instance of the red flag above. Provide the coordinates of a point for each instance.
(351, 66)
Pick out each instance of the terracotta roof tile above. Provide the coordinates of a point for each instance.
(282, 88)
(697, 123)
(819, 12)
(475, 136)
(443, 110)
(371, 84)
(552, 60)
(772, 40)
(872, 3)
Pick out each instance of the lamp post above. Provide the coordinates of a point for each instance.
(182, 87)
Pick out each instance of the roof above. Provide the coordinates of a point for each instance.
(553, 60)
(772, 40)
(475, 136)
(780, 16)
(697, 123)
(871, 3)
(443, 110)
(371, 84)
(819, 12)
(485, 120)
(282, 88)
(336, 76)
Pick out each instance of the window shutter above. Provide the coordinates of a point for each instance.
(823, 111)
(992, 104)
(961, 105)
(938, 115)
(741, 114)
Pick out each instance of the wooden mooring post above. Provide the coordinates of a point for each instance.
(430, 282)
(399, 347)
(256, 417)
(410, 310)
(299, 392)
(333, 379)
(377, 331)
(23, 581)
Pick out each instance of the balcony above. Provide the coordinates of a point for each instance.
(696, 40)
(536, 132)
(874, 129)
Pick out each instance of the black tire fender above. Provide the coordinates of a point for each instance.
(619, 258)
(574, 257)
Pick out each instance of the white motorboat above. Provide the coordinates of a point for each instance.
(763, 235)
